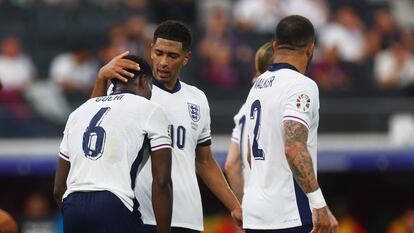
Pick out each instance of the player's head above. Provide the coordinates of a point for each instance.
(295, 34)
(170, 51)
(263, 59)
(141, 83)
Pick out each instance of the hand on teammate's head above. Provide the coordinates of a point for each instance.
(116, 68)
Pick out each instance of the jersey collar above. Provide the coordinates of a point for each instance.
(176, 88)
(121, 92)
(278, 66)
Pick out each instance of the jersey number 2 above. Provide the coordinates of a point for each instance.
(93, 142)
(258, 153)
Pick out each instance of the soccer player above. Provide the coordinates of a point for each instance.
(189, 112)
(104, 146)
(282, 118)
(237, 167)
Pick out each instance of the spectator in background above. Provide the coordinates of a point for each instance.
(37, 216)
(138, 39)
(16, 73)
(346, 34)
(257, 15)
(385, 27)
(16, 69)
(215, 50)
(220, 71)
(7, 223)
(74, 72)
(117, 37)
(330, 73)
(404, 223)
(394, 67)
(315, 10)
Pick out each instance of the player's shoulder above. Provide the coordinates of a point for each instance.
(302, 81)
(193, 91)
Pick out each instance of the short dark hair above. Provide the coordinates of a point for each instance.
(294, 32)
(145, 68)
(174, 30)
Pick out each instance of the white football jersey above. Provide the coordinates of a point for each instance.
(273, 199)
(239, 136)
(104, 141)
(188, 110)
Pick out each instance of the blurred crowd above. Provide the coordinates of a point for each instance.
(51, 50)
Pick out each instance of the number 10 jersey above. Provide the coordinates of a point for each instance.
(187, 109)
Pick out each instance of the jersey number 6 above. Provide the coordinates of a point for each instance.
(93, 142)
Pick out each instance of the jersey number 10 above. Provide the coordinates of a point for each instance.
(177, 138)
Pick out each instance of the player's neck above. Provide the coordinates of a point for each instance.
(294, 60)
(168, 85)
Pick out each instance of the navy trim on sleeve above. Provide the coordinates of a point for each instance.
(206, 143)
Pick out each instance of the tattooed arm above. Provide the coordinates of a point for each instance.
(300, 162)
(297, 154)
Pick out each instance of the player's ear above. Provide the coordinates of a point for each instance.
(274, 45)
(152, 50)
(309, 49)
(142, 81)
(187, 57)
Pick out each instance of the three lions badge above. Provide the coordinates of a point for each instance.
(194, 111)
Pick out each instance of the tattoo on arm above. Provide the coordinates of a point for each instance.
(300, 161)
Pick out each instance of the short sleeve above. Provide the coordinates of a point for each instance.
(64, 145)
(204, 139)
(158, 130)
(235, 135)
(302, 101)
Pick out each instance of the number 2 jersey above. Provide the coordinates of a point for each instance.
(187, 109)
(273, 199)
(105, 139)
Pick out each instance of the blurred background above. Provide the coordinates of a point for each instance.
(51, 50)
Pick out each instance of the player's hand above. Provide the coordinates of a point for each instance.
(237, 216)
(116, 68)
(324, 221)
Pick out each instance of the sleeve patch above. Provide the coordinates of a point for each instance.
(303, 103)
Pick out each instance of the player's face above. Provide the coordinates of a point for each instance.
(168, 57)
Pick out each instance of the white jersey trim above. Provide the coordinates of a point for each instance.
(63, 156)
(176, 224)
(297, 119)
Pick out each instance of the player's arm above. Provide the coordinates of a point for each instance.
(113, 69)
(212, 176)
(233, 169)
(61, 176)
(162, 196)
(300, 162)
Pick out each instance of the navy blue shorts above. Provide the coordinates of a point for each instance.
(301, 229)
(153, 229)
(100, 212)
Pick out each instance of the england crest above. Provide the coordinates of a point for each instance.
(194, 111)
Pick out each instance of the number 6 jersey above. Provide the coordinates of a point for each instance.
(104, 141)
(273, 200)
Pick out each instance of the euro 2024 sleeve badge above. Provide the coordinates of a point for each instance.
(303, 103)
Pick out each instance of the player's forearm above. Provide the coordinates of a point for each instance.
(298, 156)
(99, 88)
(212, 176)
(233, 169)
(162, 200)
(302, 169)
(236, 183)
